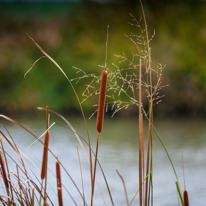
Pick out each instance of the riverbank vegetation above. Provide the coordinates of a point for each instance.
(73, 33)
(132, 82)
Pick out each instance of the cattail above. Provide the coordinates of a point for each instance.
(186, 198)
(60, 199)
(45, 154)
(3, 172)
(102, 98)
(58, 174)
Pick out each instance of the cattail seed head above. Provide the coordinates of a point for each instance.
(186, 198)
(58, 175)
(45, 154)
(102, 98)
(3, 171)
(60, 198)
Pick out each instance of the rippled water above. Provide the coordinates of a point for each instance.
(118, 149)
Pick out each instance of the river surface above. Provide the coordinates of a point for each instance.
(118, 150)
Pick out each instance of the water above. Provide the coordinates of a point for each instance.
(118, 149)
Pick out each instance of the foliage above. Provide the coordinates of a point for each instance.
(179, 44)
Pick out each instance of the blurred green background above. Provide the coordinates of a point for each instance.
(74, 34)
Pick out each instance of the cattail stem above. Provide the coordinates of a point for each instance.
(140, 135)
(45, 155)
(95, 165)
(143, 165)
(100, 112)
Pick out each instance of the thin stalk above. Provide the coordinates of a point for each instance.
(81, 174)
(46, 161)
(125, 189)
(140, 135)
(95, 164)
(143, 172)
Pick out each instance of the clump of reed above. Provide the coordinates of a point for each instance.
(135, 82)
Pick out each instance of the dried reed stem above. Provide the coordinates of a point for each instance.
(140, 135)
(19, 183)
(143, 166)
(81, 175)
(125, 189)
(3, 169)
(45, 155)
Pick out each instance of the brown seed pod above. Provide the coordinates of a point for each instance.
(186, 198)
(102, 98)
(45, 154)
(3, 171)
(58, 174)
(60, 198)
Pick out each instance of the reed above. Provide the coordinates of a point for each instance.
(140, 134)
(60, 200)
(3, 171)
(59, 183)
(102, 98)
(186, 198)
(100, 112)
(45, 155)
(58, 175)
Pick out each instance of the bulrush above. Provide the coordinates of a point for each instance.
(100, 113)
(3, 172)
(102, 98)
(45, 155)
(186, 198)
(185, 193)
(60, 199)
(58, 175)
